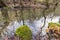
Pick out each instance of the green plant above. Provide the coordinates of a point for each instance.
(51, 23)
(53, 30)
(24, 32)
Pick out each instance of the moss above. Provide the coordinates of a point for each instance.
(51, 23)
(54, 29)
(24, 32)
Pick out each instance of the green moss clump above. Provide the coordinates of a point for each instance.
(24, 32)
(53, 30)
(51, 23)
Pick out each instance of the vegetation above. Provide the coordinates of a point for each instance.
(24, 32)
(29, 9)
(53, 30)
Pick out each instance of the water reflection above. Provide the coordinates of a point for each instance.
(34, 26)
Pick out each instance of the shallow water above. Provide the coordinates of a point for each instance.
(35, 26)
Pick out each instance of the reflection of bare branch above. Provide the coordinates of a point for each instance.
(6, 17)
(55, 6)
(3, 27)
(2, 4)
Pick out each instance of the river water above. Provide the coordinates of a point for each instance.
(35, 26)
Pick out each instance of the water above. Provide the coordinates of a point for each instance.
(35, 26)
(1, 38)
